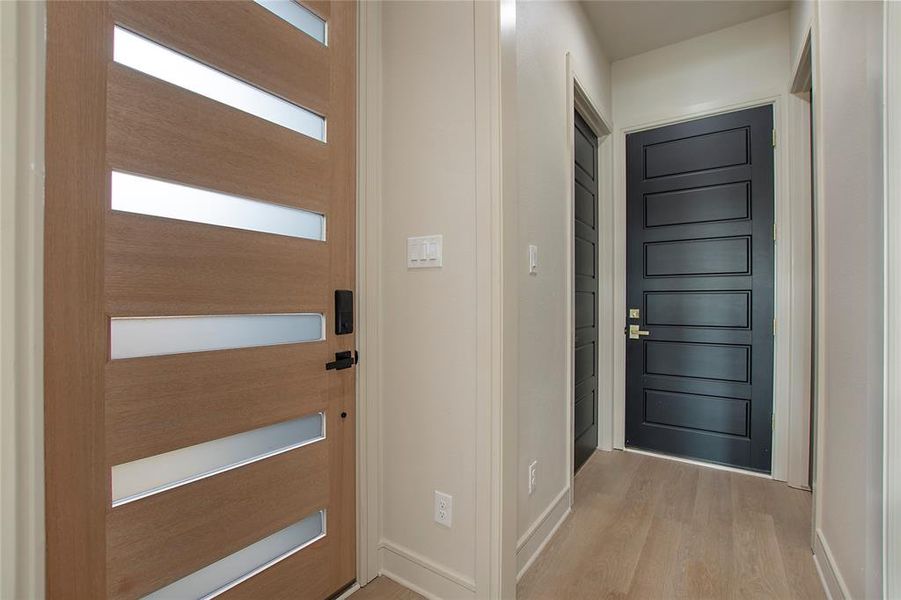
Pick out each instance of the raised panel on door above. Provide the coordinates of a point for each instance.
(700, 280)
(585, 296)
(200, 214)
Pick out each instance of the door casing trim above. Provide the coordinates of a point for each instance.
(21, 308)
(369, 289)
(578, 99)
(892, 303)
(784, 431)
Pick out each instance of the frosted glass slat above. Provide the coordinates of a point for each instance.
(148, 57)
(154, 197)
(147, 476)
(132, 337)
(232, 570)
(298, 16)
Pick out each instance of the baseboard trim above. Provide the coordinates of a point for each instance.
(832, 581)
(423, 575)
(530, 545)
(347, 593)
(699, 463)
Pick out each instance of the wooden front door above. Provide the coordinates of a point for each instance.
(200, 202)
(699, 368)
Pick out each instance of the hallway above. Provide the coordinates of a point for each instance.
(650, 528)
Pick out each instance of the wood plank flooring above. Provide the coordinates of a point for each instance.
(649, 528)
(382, 588)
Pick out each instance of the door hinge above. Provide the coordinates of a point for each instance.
(774, 327)
(774, 232)
(773, 421)
(774, 137)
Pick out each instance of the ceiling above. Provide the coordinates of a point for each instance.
(630, 27)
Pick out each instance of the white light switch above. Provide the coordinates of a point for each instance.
(533, 259)
(424, 251)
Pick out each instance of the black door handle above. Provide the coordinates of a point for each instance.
(343, 360)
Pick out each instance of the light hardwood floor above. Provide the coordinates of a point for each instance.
(649, 528)
(382, 588)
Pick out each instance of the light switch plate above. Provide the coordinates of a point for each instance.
(425, 252)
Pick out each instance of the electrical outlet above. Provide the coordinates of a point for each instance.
(444, 508)
(533, 476)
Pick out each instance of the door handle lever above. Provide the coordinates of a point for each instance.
(343, 360)
(636, 333)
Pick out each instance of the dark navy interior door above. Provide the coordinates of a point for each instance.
(700, 269)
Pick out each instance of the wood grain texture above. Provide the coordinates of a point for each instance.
(163, 131)
(160, 403)
(158, 266)
(303, 576)
(646, 527)
(103, 263)
(76, 196)
(342, 23)
(260, 48)
(323, 8)
(157, 540)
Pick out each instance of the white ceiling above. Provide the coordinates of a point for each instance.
(630, 27)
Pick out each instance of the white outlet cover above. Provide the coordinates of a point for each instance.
(444, 508)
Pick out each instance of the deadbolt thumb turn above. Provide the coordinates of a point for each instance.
(636, 333)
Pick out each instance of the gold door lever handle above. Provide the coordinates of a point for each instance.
(636, 333)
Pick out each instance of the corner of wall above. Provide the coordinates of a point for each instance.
(536, 537)
(833, 583)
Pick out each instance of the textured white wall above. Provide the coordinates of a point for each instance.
(546, 31)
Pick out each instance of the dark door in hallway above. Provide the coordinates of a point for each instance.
(699, 365)
(585, 265)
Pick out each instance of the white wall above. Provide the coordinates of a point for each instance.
(428, 323)
(848, 80)
(545, 32)
(729, 66)
(801, 18)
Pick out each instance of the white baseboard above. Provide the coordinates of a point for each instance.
(423, 575)
(347, 593)
(699, 463)
(832, 581)
(536, 537)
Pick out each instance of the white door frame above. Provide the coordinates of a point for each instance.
(892, 423)
(369, 290)
(788, 400)
(578, 99)
(21, 300)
